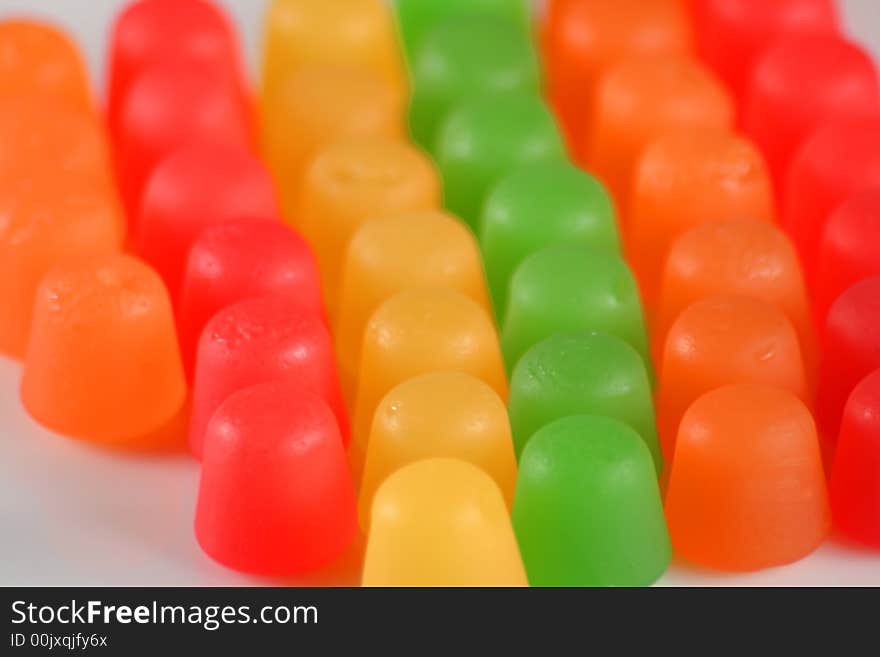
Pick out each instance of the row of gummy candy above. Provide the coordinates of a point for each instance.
(400, 283)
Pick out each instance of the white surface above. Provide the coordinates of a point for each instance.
(72, 514)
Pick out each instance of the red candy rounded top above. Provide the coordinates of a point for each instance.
(799, 83)
(850, 248)
(838, 160)
(238, 260)
(275, 496)
(257, 341)
(170, 106)
(155, 31)
(855, 477)
(731, 33)
(850, 349)
(191, 189)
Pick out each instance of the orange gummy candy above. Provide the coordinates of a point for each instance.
(43, 139)
(638, 100)
(683, 179)
(103, 363)
(580, 40)
(747, 489)
(46, 219)
(745, 257)
(39, 60)
(719, 341)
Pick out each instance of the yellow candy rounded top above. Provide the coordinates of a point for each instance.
(305, 32)
(441, 414)
(414, 249)
(441, 522)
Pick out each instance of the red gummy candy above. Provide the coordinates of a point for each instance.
(850, 248)
(837, 161)
(240, 260)
(855, 477)
(732, 33)
(800, 83)
(192, 189)
(150, 32)
(275, 496)
(258, 341)
(850, 349)
(170, 106)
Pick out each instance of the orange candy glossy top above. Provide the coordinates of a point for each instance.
(580, 40)
(640, 99)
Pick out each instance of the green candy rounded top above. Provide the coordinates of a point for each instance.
(587, 509)
(566, 288)
(581, 373)
(536, 206)
(416, 18)
(460, 59)
(485, 138)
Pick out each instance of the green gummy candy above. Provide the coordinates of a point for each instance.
(571, 288)
(416, 18)
(485, 138)
(581, 373)
(536, 206)
(460, 59)
(587, 510)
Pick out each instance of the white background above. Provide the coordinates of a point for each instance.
(72, 514)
